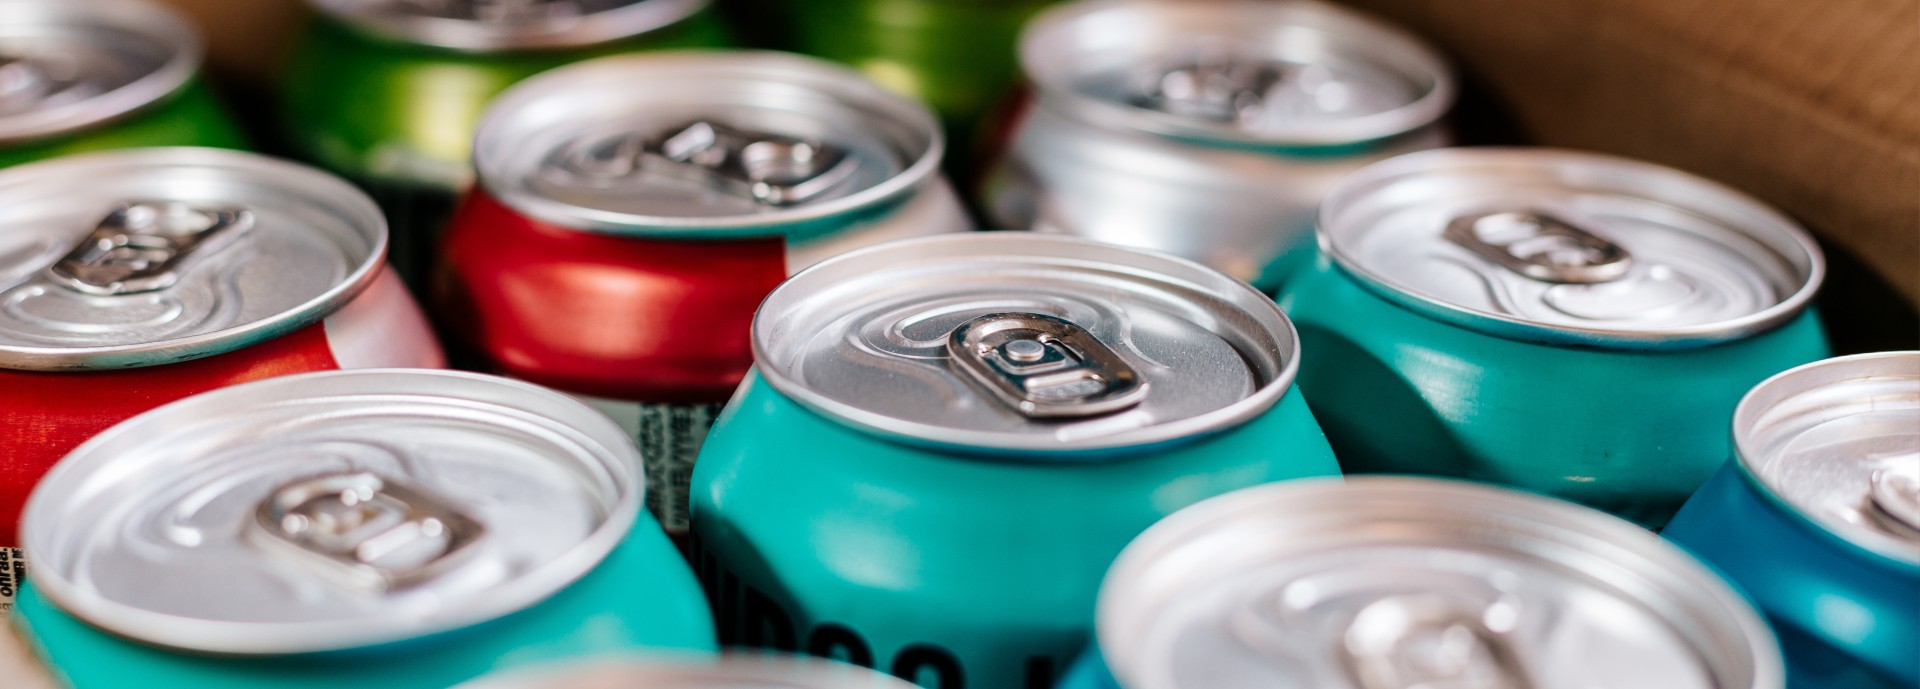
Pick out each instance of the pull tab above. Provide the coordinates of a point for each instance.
(147, 245)
(1897, 496)
(1212, 85)
(1044, 367)
(1540, 246)
(770, 169)
(1432, 642)
(494, 11)
(372, 533)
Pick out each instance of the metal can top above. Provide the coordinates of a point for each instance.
(501, 25)
(1390, 582)
(728, 671)
(149, 256)
(1570, 247)
(66, 66)
(717, 144)
(331, 510)
(1240, 71)
(1838, 441)
(1041, 345)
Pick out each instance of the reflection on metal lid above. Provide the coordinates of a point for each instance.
(68, 66)
(492, 25)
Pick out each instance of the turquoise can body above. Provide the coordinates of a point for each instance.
(642, 598)
(948, 569)
(1631, 432)
(1847, 618)
(1089, 672)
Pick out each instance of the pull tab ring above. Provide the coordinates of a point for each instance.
(144, 246)
(1541, 246)
(1430, 641)
(364, 530)
(1044, 367)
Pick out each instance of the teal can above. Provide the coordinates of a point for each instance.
(1567, 323)
(946, 440)
(373, 529)
(1818, 517)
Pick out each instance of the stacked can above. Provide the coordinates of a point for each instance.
(1568, 323)
(949, 438)
(1818, 517)
(1209, 130)
(102, 74)
(337, 529)
(388, 92)
(737, 671)
(632, 211)
(129, 279)
(1386, 583)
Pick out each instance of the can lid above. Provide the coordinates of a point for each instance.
(1569, 247)
(66, 66)
(738, 670)
(149, 256)
(1261, 73)
(331, 510)
(1391, 582)
(501, 25)
(1839, 442)
(699, 142)
(1042, 345)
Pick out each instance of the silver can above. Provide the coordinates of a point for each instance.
(69, 66)
(502, 25)
(1399, 582)
(734, 671)
(1209, 130)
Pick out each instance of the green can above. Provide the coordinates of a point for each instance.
(389, 92)
(1568, 323)
(948, 439)
(102, 74)
(374, 529)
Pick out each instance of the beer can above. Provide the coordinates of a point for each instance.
(948, 439)
(1209, 130)
(388, 92)
(129, 279)
(102, 74)
(383, 528)
(1391, 582)
(1569, 323)
(1818, 517)
(730, 671)
(632, 211)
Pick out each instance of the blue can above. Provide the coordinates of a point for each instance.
(1817, 516)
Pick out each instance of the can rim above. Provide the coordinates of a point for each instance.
(1037, 43)
(313, 182)
(253, 639)
(1782, 386)
(1655, 181)
(842, 83)
(467, 36)
(137, 16)
(1491, 505)
(924, 434)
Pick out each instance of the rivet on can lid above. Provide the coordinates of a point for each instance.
(1043, 366)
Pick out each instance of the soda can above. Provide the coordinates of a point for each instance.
(102, 74)
(129, 279)
(388, 92)
(384, 528)
(632, 211)
(970, 428)
(1568, 323)
(1209, 130)
(1393, 582)
(1818, 517)
(730, 671)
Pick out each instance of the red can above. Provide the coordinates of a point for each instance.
(134, 278)
(633, 211)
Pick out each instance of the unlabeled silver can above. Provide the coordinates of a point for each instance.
(1210, 129)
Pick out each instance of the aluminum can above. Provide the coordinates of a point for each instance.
(129, 279)
(102, 74)
(1392, 582)
(632, 211)
(1209, 130)
(731, 671)
(388, 92)
(1818, 517)
(1568, 323)
(948, 439)
(383, 529)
